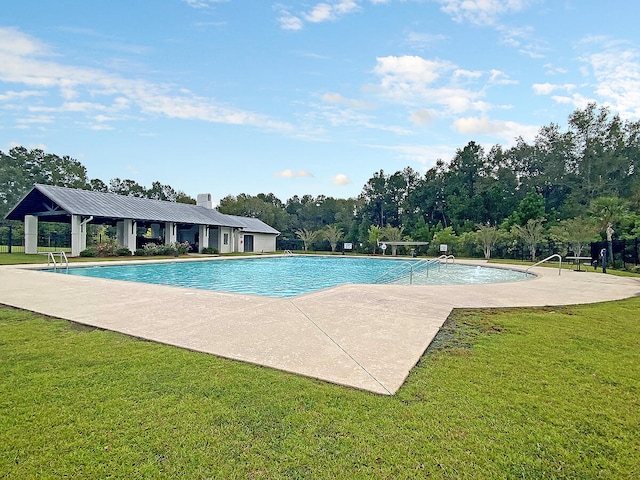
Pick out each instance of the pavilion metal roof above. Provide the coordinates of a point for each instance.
(53, 204)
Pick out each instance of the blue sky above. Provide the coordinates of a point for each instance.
(294, 98)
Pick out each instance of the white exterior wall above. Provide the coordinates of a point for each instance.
(239, 242)
(30, 234)
(229, 247)
(264, 242)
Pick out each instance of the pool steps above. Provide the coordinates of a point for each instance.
(407, 269)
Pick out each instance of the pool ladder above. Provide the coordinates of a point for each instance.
(51, 259)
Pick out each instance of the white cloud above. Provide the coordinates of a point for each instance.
(202, 3)
(323, 12)
(617, 76)
(498, 77)
(291, 174)
(319, 13)
(482, 12)
(548, 88)
(577, 100)
(407, 70)
(335, 116)
(32, 146)
(33, 119)
(289, 21)
(11, 95)
(25, 61)
(507, 130)
(421, 41)
(551, 69)
(341, 179)
(436, 84)
(426, 155)
(336, 98)
(422, 117)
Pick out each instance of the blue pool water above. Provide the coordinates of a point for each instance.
(288, 276)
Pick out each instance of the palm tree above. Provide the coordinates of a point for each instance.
(333, 234)
(307, 237)
(609, 211)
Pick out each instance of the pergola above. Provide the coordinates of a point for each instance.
(394, 245)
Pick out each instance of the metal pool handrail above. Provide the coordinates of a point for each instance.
(546, 259)
(401, 270)
(52, 259)
(446, 258)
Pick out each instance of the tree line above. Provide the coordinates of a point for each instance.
(569, 185)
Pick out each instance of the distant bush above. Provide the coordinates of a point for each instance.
(89, 252)
(123, 252)
(209, 250)
(140, 252)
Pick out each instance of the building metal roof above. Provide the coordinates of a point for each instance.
(254, 225)
(54, 204)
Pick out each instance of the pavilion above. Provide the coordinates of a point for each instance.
(200, 225)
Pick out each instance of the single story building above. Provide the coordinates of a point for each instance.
(168, 222)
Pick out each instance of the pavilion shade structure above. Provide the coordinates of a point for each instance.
(57, 204)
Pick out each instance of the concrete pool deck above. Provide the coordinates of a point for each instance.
(363, 336)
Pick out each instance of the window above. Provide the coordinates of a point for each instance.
(226, 239)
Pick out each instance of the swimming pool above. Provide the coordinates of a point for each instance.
(288, 276)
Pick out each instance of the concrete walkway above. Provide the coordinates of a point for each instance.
(364, 336)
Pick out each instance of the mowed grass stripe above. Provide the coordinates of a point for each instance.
(512, 393)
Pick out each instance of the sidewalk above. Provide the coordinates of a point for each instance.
(363, 336)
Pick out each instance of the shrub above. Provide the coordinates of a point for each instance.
(89, 252)
(107, 249)
(210, 250)
(164, 250)
(140, 252)
(123, 252)
(181, 248)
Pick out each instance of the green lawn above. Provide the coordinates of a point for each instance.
(517, 393)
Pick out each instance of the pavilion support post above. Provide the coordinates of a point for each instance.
(130, 234)
(120, 233)
(30, 234)
(77, 235)
(170, 233)
(203, 236)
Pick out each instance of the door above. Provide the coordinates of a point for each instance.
(248, 243)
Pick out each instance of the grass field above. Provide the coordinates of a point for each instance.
(515, 393)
